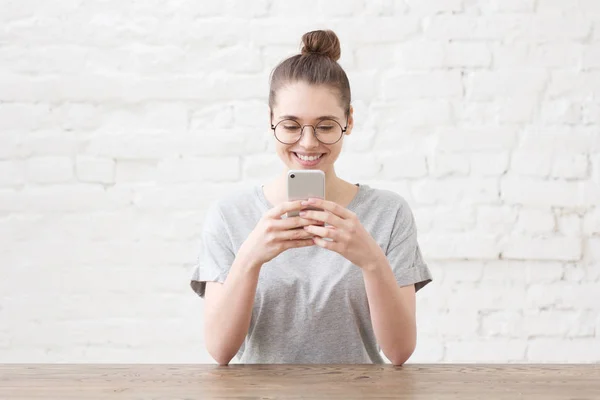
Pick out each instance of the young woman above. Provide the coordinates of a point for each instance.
(275, 290)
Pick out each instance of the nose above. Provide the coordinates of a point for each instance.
(309, 138)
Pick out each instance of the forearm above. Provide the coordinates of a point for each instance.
(392, 311)
(227, 325)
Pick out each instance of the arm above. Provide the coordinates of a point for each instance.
(228, 310)
(392, 311)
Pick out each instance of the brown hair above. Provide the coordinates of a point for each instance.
(316, 65)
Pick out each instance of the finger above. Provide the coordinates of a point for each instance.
(324, 216)
(323, 232)
(280, 209)
(325, 244)
(330, 206)
(290, 244)
(293, 234)
(292, 223)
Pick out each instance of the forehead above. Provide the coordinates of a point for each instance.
(307, 101)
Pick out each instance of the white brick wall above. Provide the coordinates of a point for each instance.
(120, 122)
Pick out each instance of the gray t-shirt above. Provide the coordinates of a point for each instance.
(310, 305)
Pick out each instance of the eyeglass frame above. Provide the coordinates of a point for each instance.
(314, 130)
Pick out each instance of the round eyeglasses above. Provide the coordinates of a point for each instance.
(327, 131)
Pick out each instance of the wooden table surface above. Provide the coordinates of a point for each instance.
(243, 381)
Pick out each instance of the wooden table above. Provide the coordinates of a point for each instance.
(239, 381)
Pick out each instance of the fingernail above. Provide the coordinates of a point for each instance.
(302, 213)
(304, 203)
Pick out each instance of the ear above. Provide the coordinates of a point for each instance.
(350, 120)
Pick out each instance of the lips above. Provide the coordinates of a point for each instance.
(307, 163)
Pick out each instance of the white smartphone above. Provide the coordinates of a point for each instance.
(305, 183)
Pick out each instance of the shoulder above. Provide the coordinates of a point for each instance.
(386, 199)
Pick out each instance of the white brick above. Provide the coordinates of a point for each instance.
(450, 218)
(341, 8)
(460, 246)
(261, 166)
(591, 56)
(513, 5)
(489, 164)
(535, 221)
(557, 323)
(418, 54)
(476, 139)
(212, 116)
(504, 324)
(465, 54)
(570, 225)
(564, 350)
(496, 218)
(456, 191)
(462, 271)
(468, 27)
(428, 350)
(253, 114)
(442, 165)
(525, 55)
(433, 6)
(516, 272)
(592, 246)
(135, 171)
(199, 169)
(65, 197)
(531, 163)
(576, 86)
(49, 169)
(543, 248)
(591, 112)
(591, 222)
(95, 169)
(589, 7)
(359, 30)
(488, 85)
(455, 324)
(570, 166)
(536, 193)
(563, 296)
(490, 296)
(421, 85)
(375, 56)
(419, 113)
(546, 27)
(384, 7)
(576, 140)
(402, 165)
(423, 218)
(358, 166)
(24, 117)
(11, 173)
(561, 112)
(486, 350)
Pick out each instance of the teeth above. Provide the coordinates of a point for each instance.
(309, 158)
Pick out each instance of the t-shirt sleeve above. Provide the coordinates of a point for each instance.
(403, 252)
(216, 254)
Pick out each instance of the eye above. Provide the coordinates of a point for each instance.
(325, 128)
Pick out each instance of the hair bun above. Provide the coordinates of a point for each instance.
(323, 42)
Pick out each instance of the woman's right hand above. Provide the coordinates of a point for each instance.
(273, 235)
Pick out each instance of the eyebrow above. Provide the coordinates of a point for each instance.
(318, 118)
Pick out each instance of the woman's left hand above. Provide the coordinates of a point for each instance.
(349, 237)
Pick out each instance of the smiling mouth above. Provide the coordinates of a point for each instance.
(309, 158)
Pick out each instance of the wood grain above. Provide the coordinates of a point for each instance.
(241, 381)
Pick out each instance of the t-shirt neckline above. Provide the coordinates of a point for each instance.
(355, 200)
